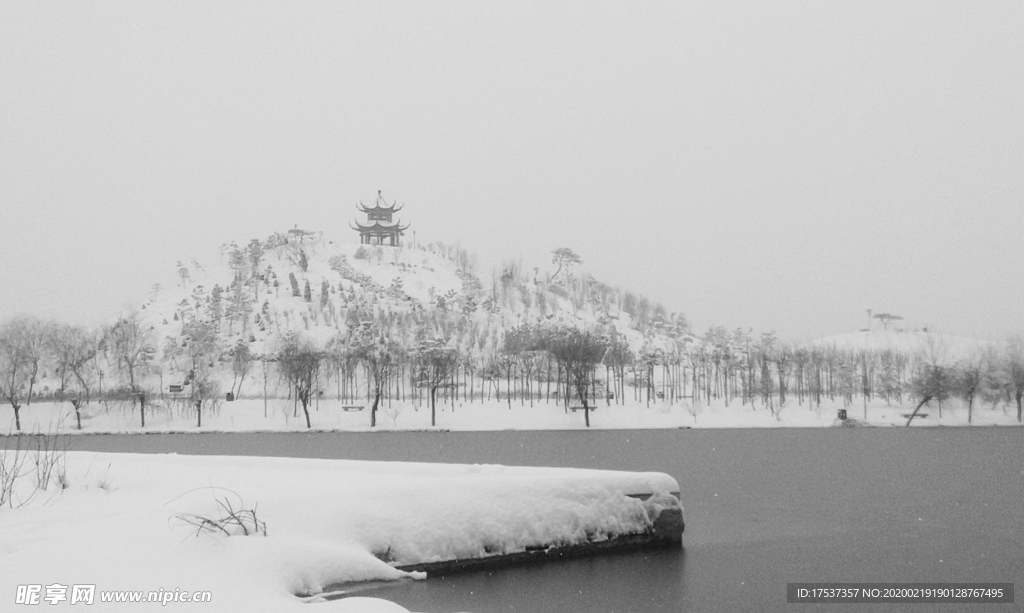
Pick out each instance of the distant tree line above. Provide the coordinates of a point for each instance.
(438, 358)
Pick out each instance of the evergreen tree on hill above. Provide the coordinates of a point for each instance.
(565, 258)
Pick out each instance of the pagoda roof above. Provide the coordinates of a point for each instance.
(377, 226)
(381, 205)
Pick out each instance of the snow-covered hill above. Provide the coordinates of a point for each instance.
(300, 284)
(346, 283)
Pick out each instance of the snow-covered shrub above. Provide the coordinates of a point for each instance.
(694, 408)
(393, 410)
(12, 466)
(236, 520)
(50, 460)
(44, 456)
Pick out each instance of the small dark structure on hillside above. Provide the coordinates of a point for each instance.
(380, 226)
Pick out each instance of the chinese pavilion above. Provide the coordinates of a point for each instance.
(380, 227)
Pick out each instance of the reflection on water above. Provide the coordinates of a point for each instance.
(636, 581)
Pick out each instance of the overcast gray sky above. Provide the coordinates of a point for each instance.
(779, 165)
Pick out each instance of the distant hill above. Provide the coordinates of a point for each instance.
(251, 295)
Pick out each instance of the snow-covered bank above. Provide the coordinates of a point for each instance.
(120, 523)
(250, 414)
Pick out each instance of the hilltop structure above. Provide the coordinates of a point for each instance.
(380, 226)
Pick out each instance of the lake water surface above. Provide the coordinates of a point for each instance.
(762, 508)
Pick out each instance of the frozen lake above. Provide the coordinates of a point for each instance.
(762, 507)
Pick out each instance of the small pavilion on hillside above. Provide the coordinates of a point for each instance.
(380, 226)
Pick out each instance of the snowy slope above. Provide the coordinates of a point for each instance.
(388, 285)
(280, 312)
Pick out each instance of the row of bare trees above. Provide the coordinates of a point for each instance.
(390, 362)
(432, 364)
(81, 359)
(524, 367)
(29, 347)
(731, 367)
(441, 355)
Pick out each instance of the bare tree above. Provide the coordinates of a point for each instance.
(931, 382)
(578, 352)
(265, 368)
(695, 408)
(374, 348)
(35, 336)
(1014, 367)
(619, 356)
(202, 348)
(129, 342)
(438, 362)
(933, 379)
(59, 350)
(241, 363)
(516, 343)
(73, 349)
(300, 362)
(970, 377)
(15, 366)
